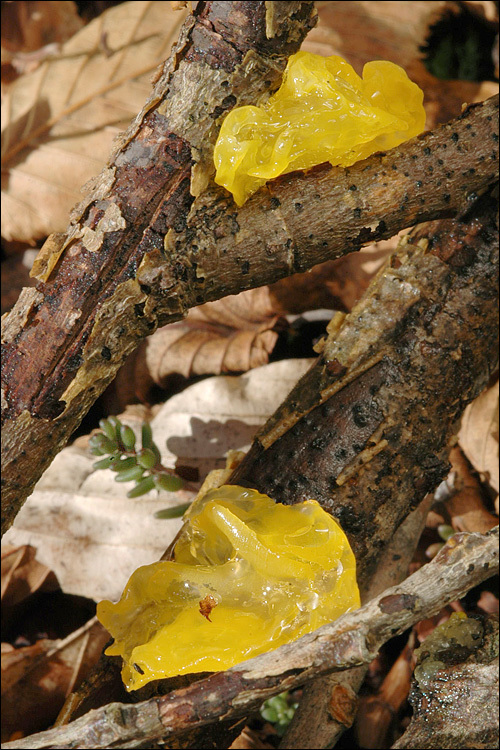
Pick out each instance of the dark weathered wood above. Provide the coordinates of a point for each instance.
(353, 639)
(367, 430)
(65, 339)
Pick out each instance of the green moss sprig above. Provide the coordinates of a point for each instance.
(117, 442)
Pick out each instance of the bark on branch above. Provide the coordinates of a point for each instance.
(140, 253)
(366, 431)
(389, 436)
(353, 639)
(65, 340)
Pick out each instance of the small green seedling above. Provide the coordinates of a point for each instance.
(140, 465)
(279, 712)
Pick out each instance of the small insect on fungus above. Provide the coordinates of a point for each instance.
(206, 606)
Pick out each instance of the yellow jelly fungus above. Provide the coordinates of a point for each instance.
(323, 111)
(248, 575)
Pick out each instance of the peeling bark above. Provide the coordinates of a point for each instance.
(353, 639)
(65, 340)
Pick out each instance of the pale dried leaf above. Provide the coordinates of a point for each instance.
(374, 30)
(230, 335)
(96, 536)
(478, 436)
(37, 679)
(58, 123)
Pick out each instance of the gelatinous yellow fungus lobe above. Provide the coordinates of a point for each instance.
(323, 111)
(248, 575)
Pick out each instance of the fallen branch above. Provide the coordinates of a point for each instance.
(354, 639)
(66, 339)
(367, 430)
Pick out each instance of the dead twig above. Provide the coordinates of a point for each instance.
(354, 639)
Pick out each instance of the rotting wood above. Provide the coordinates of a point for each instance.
(65, 340)
(354, 639)
(89, 325)
(367, 430)
(458, 706)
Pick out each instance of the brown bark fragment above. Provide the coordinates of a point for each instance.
(392, 604)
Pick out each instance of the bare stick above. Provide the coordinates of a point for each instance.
(354, 639)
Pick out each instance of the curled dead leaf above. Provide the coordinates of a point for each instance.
(465, 506)
(334, 285)
(59, 121)
(23, 575)
(478, 436)
(36, 679)
(234, 334)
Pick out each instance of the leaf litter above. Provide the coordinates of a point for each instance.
(77, 128)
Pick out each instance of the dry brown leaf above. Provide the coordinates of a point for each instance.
(23, 575)
(234, 334)
(478, 436)
(465, 506)
(28, 26)
(237, 333)
(58, 122)
(37, 679)
(334, 285)
(373, 29)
